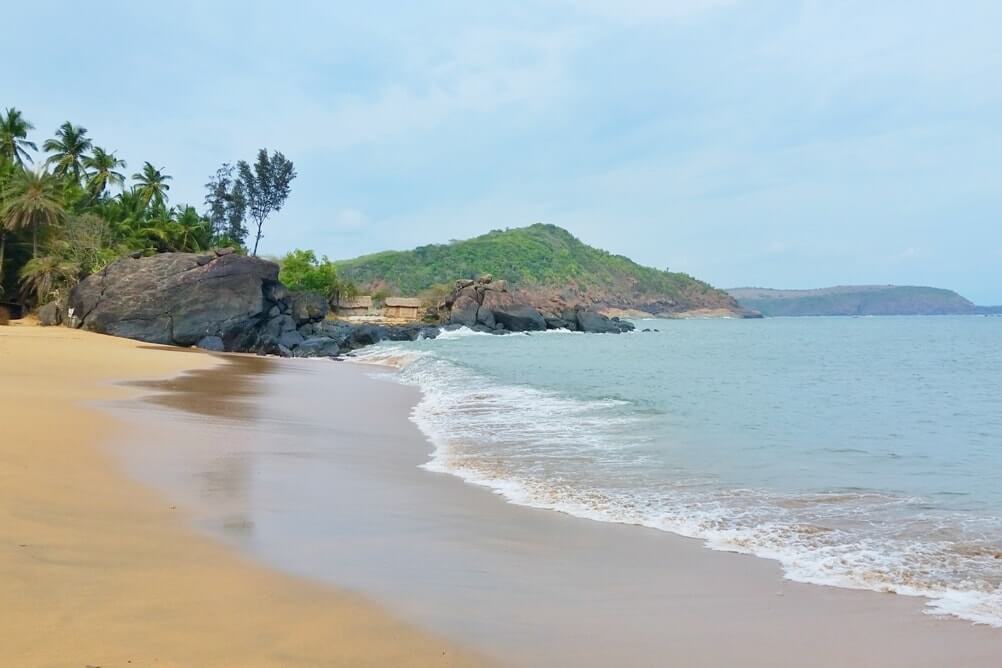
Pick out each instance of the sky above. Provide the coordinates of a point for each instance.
(747, 142)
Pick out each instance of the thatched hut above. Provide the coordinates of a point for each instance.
(350, 306)
(402, 308)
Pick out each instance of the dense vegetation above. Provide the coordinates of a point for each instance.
(854, 300)
(539, 258)
(303, 271)
(70, 211)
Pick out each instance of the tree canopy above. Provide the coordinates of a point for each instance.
(266, 186)
(77, 211)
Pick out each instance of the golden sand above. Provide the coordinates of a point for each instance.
(97, 570)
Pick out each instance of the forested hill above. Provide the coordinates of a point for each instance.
(854, 300)
(545, 265)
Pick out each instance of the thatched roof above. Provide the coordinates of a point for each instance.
(411, 302)
(355, 302)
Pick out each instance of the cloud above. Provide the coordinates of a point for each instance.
(350, 219)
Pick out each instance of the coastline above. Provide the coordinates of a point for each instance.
(96, 569)
(325, 483)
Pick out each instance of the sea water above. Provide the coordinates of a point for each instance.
(858, 452)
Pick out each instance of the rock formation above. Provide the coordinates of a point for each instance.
(221, 301)
(487, 305)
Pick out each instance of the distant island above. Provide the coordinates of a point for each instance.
(859, 300)
(545, 266)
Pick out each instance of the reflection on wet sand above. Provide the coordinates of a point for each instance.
(221, 392)
(223, 481)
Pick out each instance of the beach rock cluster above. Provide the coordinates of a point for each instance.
(487, 305)
(222, 301)
(217, 301)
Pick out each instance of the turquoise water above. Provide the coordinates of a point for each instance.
(858, 452)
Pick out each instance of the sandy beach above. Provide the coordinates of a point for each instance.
(315, 472)
(259, 512)
(97, 570)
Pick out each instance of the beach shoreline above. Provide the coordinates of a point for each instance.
(326, 483)
(97, 569)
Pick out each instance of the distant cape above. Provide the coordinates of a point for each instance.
(857, 300)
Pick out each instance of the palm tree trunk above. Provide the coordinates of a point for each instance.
(34, 240)
(3, 252)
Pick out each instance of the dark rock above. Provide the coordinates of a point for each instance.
(592, 321)
(220, 252)
(485, 318)
(367, 335)
(405, 333)
(211, 343)
(490, 301)
(278, 326)
(290, 339)
(339, 331)
(465, 307)
(50, 315)
(317, 346)
(308, 307)
(178, 298)
(278, 293)
(560, 323)
(520, 318)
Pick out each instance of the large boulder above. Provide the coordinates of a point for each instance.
(179, 298)
(519, 318)
(317, 346)
(592, 321)
(308, 307)
(491, 300)
(465, 307)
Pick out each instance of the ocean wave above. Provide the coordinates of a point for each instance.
(589, 458)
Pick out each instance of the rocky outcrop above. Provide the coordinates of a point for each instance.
(178, 298)
(487, 305)
(222, 301)
(217, 301)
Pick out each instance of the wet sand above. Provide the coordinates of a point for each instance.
(97, 570)
(313, 469)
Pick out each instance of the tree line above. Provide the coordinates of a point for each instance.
(68, 210)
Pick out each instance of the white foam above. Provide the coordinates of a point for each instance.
(544, 450)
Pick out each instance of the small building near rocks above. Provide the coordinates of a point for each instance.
(354, 306)
(402, 308)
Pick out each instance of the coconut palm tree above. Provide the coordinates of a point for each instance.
(151, 185)
(69, 150)
(13, 132)
(7, 171)
(32, 199)
(48, 278)
(102, 166)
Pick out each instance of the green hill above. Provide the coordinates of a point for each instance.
(854, 300)
(545, 265)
